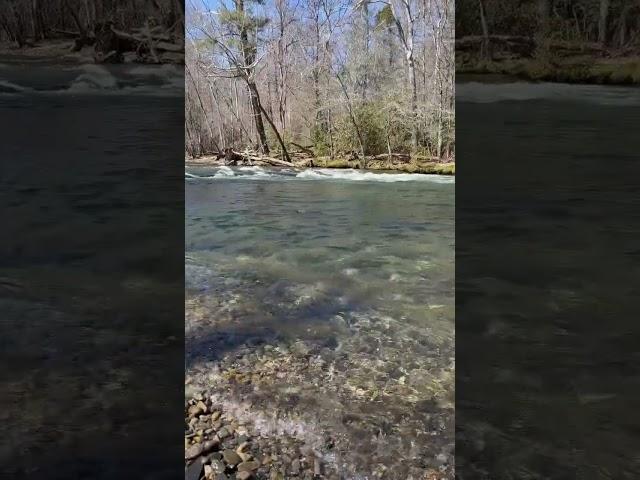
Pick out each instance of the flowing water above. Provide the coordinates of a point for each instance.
(547, 242)
(90, 179)
(331, 294)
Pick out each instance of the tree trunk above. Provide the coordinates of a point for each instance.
(37, 21)
(407, 38)
(257, 113)
(316, 73)
(366, 42)
(248, 52)
(256, 96)
(414, 100)
(602, 23)
(353, 120)
(412, 76)
(485, 48)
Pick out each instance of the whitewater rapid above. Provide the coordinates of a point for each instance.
(350, 175)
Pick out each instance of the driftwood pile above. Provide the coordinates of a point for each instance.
(249, 157)
(147, 44)
(305, 157)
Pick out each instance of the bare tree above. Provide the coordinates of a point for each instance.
(330, 77)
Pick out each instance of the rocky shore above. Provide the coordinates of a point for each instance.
(219, 446)
(264, 406)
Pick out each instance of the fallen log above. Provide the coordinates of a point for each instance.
(306, 150)
(65, 33)
(400, 156)
(232, 157)
(159, 46)
(270, 160)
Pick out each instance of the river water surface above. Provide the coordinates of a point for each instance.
(546, 282)
(89, 183)
(322, 302)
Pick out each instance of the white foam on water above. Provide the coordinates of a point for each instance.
(190, 176)
(224, 171)
(99, 80)
(256, 170)
(478, 92)
(356, 175)
(94, 77)
(4, 84)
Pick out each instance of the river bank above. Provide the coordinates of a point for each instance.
(67, 51)
(582, 69)
(51, 51)
(411, 166)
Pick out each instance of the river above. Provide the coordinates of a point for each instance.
(91, 176)
(331, 291)
(546, 281)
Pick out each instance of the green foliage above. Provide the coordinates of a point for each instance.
(384, 17)
(371, 125)
(321, 140)
(243, 19)
(381, 124)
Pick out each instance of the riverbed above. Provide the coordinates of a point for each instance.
(320, 307)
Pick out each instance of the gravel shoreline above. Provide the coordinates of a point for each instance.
(220, 446)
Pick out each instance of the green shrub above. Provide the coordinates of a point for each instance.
(370, 122)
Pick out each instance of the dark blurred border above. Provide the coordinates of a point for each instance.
(547, 370)
(92, 243)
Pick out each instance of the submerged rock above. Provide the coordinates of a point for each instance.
(231, 457)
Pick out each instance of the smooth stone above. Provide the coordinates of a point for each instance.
(193, 451)
(218, 466)
(211, 444)
(243, 440)
(223, 433)
(244, 456)
(195, 410)
(202, 406)
(193, 471)
(275, 475)
(295, 467)
(243, 476)
(231, 457)
(248, 466)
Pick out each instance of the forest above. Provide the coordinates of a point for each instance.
(336, 79)
(591, 41)
(114, 31)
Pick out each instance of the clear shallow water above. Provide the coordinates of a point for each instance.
(343, 279)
